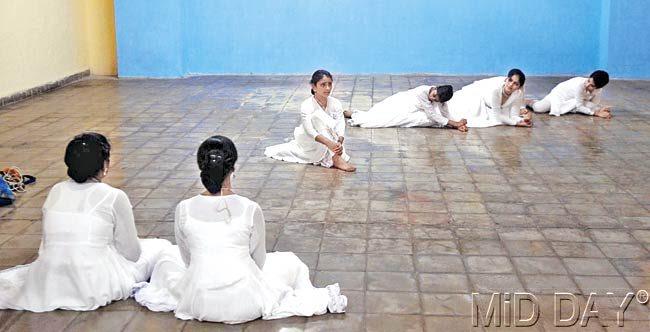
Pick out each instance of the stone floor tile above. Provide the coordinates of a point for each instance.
(390, 246)
(48, 321)
(391, 281)
(450, 324)
(488, 264)
(390, 323)
(101, 321)
(348, 280)
(341, 262)
(443, 283)
(590, 266)
(447, 304)
(335, 322)
(500, 283)
(390, 263)
(528, 248)
(623, 250)
(538, 265)
(448, 263)
(392, 303)
(549, 284)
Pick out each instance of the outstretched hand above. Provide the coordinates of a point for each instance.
(525, 123)
(604, 113)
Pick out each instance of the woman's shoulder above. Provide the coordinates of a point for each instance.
(334, 102)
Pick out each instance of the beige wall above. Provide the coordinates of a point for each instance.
(46, 40)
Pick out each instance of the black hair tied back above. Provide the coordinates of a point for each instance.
(216, 158)
(86, 155)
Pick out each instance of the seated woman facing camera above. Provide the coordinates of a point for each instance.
(492, 102)
(90, 253)
(319, 138)
(220, 270)
(424, 106)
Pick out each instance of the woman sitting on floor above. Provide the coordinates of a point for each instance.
(492, 102)
(319, 138)
(90, 253)
(220, 270)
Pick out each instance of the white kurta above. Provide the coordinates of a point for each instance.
(480, 104)
(570, 97)
(89, 256)
(315, 121)
(410, 108)
(220, 270)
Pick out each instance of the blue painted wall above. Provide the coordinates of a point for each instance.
(628, 45)
(172, 38)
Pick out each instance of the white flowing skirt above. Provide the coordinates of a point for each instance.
(281, 289)
(83, 278)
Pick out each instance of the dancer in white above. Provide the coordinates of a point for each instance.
(220, 270)
(491, 102)
(424, 106)
(319, 138)
(90, 254)
(577, 95)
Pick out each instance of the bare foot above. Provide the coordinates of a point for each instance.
(347, 114)
(342, 164)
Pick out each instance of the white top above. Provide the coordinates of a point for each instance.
(572, 93)
(411, 108)
(310, 108)
(233, 211)
(328, 122)
(480, 104)
(87, 256)
(220, 271)
(110, 204)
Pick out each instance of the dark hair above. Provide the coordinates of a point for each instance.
(601, 78)
(85, 156)
(445, 92)
(216, 157)
(518, 72)
(318, 75)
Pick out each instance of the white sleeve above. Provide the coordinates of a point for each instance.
(257, 245)
(125, 233)
(509, 116)
(306, 116)
(339, 128)
(179, 234)
(582, 105)
(434, 114)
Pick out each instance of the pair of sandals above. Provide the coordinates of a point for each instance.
(12, 180)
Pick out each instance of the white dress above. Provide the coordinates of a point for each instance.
(570, 96)
(220, 270)
(89, 256)
(410, 108)
(315, 121)
(480, 104)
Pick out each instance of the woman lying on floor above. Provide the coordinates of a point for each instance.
(424, 106)
(90, 253)
(319, 138)
(492, 102)
(220, 270)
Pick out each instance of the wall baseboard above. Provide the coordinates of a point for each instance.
(35, 91)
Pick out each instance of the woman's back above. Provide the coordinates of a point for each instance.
(79, 267)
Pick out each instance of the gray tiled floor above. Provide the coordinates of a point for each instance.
(430, 216)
